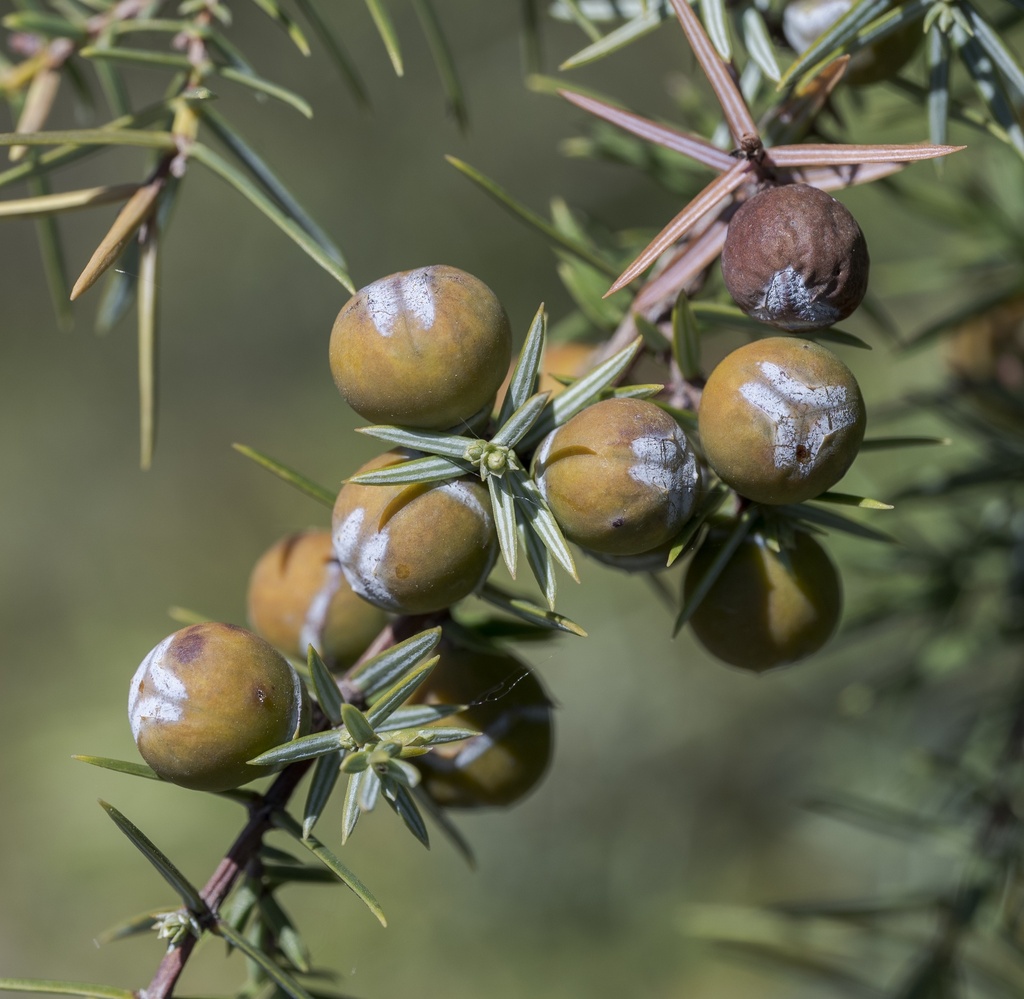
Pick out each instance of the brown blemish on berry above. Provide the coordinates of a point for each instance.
(189, 645)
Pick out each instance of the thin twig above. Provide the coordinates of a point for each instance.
(261, 812)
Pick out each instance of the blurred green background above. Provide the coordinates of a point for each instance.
(677, 781)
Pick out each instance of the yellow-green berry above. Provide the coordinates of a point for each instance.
(414, 549)
(426, 348)
(767, 608)
(620, 477)
(781, 420)
(208, 699)
(512, 714)
(298, 596)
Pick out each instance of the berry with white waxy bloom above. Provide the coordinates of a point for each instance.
(298, 596)
(208, 699)
(781, 420)
(620, 477)
(795, 258)
(414, 549)
(426, 348)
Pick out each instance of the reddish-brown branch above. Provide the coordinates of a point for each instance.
(223, 879)
(261, 812)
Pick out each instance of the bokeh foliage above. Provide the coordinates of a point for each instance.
(676, 781)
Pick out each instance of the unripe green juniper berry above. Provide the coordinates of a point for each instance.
(620, 476)
(414, 549)
(767, 608)
(781, 420)
(298, 596)
(209, 698)
(509, 708)
(426, 348)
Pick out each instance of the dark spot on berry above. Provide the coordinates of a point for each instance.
(803, 453)
(189, 645)
(402, 571)
(261, 694)
(618, 522)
